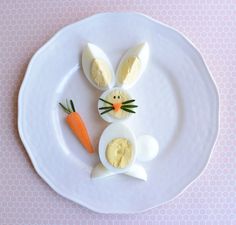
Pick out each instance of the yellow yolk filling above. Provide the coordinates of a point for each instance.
(100, 73)
(129, 70)
(119, 152)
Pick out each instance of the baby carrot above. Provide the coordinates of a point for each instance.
(77, 126)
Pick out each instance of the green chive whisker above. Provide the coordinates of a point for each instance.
(106, 101)
(130, 106)
(107, 107)
(128, 110)
(106, 111)
(129, 101)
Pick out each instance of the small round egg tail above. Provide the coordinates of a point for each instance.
(132, 65)
(147, 148)
(97, 67)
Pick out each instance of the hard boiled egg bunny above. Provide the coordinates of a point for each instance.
(119, 149)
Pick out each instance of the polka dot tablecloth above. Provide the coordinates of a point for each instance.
(25, 25)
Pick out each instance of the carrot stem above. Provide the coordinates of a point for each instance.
(72, 105)
(65, 109)
(68, 106)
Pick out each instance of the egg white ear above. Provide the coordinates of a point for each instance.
(97, 67)
(132, 65)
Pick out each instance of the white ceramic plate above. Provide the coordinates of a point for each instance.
(178, 105)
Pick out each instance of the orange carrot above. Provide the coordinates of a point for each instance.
(77, 125)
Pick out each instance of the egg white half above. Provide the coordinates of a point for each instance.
(137, 171)
(107, 117)
(90, 53)
(140, 51)
(100, 171)
(113, 131)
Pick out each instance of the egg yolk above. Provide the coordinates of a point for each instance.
(129, 70)
(119, 152)
(100, 73)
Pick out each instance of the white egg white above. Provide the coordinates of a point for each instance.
(147, 148)
(100, 172)
(142, 52)
(137, 171)
(113, 131)
(107, 117)
(90, 53)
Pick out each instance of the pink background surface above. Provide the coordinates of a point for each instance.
(26, 25)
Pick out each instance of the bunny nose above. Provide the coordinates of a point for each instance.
(116, 106)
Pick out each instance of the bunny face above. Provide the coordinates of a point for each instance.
(115, 104)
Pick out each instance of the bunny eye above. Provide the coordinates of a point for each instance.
(114, 97)
(118, 97)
